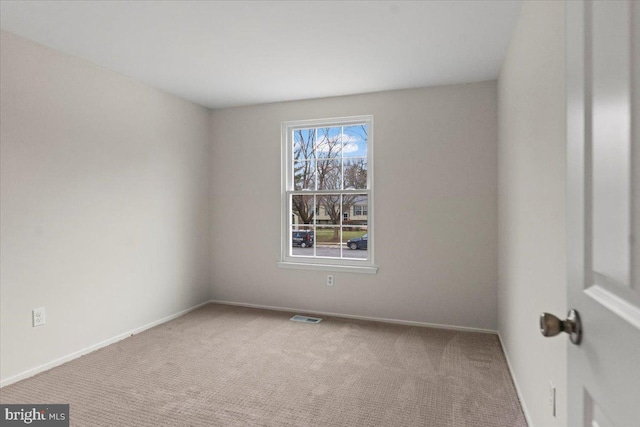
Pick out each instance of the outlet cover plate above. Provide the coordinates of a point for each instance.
(39, 316)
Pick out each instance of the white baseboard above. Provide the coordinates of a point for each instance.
(350, 316)
(515, 383)
(45, 367)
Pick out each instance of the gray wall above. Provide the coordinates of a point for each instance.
(532, 158)
(104, 213)
(436, 208)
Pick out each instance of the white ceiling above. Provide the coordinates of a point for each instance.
(222, 54)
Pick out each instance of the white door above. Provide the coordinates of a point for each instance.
(603, 125)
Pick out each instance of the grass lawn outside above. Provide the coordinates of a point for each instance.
(325, 235)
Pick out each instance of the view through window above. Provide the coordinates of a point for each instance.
(328, 190)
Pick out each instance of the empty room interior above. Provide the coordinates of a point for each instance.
(318, 213)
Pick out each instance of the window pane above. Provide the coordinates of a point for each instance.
(355, 209)
(355, 174)
(328, 241)
(302, 240)
(354, 140)
(328, 143)
(303, 144)
(355, 242)
(302, 209)
(329, 174)
(304, 175)
(329, 207)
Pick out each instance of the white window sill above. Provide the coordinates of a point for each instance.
(329, 267)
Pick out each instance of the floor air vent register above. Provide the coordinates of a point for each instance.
(305, 319)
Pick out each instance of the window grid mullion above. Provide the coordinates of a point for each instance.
(340, 223)
(341, 158)
(315, 156)
(328, 192)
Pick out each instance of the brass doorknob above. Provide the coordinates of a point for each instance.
(550, 326)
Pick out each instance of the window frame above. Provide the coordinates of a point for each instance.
(316, 263)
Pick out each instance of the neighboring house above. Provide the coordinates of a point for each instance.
(357, 214)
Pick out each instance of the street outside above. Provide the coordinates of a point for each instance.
(331, 251)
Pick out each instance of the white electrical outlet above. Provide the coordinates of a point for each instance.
(39, 316)
(552, 398)
(329, 279)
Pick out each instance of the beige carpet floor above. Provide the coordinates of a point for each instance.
(230, 366)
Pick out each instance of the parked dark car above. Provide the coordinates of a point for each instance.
(358, 242)
(302, 238)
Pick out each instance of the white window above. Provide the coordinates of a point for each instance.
(359, 210)
(328, 164)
